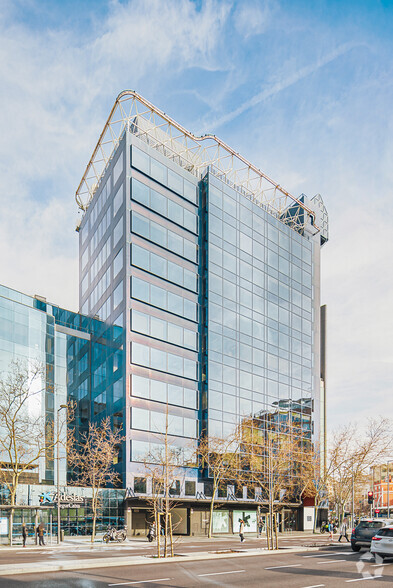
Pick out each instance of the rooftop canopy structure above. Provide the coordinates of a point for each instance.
(134, 113)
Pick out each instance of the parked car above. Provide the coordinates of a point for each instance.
(363, 533)
(382, 542)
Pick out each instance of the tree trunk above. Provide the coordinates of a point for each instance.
(11, 517)
(316, 509)
(209, 534)
(94, 508)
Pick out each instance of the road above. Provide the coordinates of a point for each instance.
(332, 567)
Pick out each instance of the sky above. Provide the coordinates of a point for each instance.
(303, 89)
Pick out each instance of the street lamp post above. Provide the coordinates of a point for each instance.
(353, 499)
(388, 488)
(58, 471)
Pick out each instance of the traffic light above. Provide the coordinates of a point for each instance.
(370, 495)
(41, 499)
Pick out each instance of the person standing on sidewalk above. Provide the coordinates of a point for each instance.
(343, 531)
(241, 530)
(40, 532)
(331, 530)
(24, 534)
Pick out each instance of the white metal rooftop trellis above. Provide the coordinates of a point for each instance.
(196, 154)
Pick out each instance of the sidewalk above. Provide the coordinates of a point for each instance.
(41, 567)
(72, 541)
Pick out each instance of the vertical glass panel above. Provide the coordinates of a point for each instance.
(140, 225)
(158, 328)
(140, 257)
(175, 182)
(140, 322)
(158, 171)
(118, 263)
(158, 391)
(117, 170)
(118, 295)
(190, 191)
(118, 232)
(140, 192)
(157, 296)
(175, 334)
(158, 202)
(140, 289)
(140, 160)
(190, 221)
(118, 200)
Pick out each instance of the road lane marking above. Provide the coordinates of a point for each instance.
(279, 567)
(330, 561)
(221, 573)
(139, 582)
(326, 554)
(361, 579)
(315, 586)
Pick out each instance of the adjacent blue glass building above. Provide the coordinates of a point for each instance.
(213, 270)
(82, 362)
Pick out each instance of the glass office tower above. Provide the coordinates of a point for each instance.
(213, 270)
(82, 362)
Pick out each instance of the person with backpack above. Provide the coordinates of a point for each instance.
(40, 533)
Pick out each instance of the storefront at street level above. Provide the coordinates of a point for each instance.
(38, 504)
(191, 517)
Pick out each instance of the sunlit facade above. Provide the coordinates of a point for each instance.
(218, 294)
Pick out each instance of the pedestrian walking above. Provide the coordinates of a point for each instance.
(24, 534)
(331, 530)
(343, 531)
(241, 530)
(40, 532)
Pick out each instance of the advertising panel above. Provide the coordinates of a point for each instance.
(249, 518)
(221, 521)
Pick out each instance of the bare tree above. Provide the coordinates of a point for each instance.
(271, 460)
(220, 458)
(92, 456)
(162, 465)
(353, 450)
(25, 435)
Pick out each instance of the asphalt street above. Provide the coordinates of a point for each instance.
(332, 567)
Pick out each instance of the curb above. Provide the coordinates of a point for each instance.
(35, 568)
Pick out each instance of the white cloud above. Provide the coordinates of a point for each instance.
(253, 18)
(56, 92)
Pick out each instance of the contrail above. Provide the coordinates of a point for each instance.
(281, 85)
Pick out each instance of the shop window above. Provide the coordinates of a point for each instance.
(140, 485)
(189, 488)
(174, 490)
(222, 492)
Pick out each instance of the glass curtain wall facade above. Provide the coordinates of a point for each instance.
(218, 296)
(148, 252)
(82, 361)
